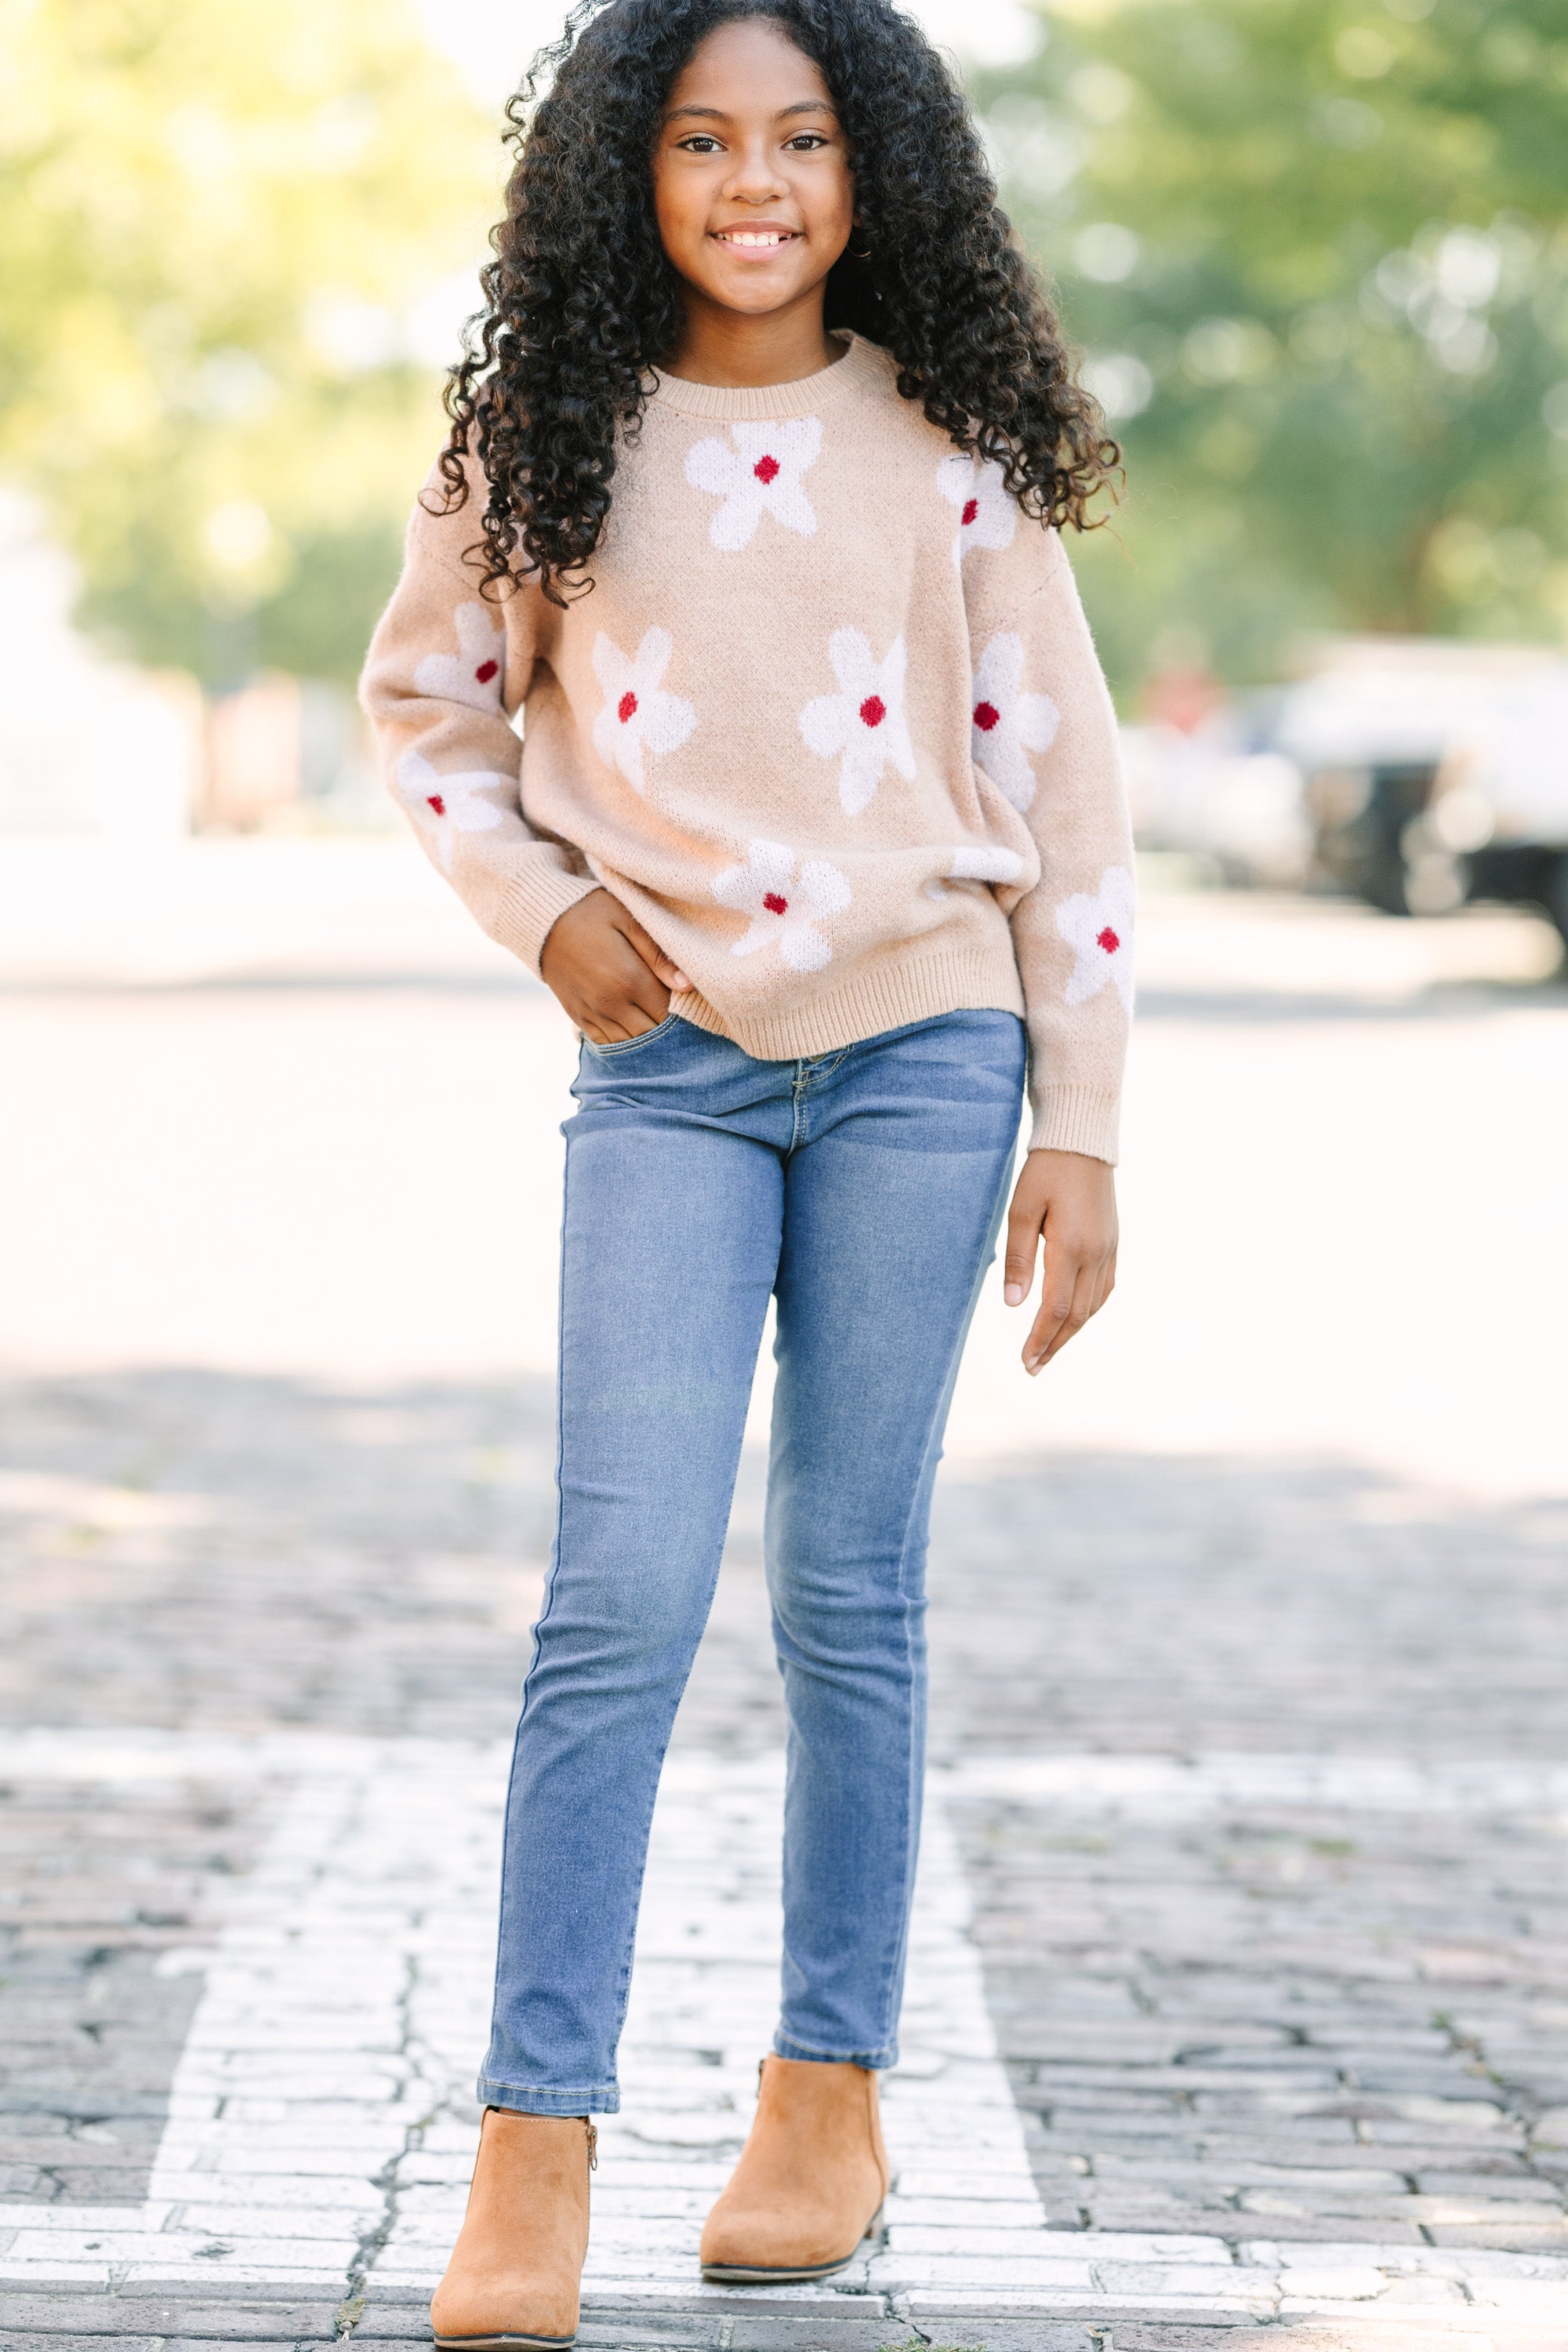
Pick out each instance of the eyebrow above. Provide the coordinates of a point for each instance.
(717, 113)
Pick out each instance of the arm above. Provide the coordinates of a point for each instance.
(1055, 757)
(447, 669)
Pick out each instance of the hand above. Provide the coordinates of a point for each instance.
(607, 971)
(1073, 1199)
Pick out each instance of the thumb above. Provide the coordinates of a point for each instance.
(654, 956)
(673, 978)
(1018, 1265)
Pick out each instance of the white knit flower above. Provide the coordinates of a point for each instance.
(982, 863)
(760, 475)
(864, 721)
(473, 674)
(978, 862)
(1099, 929)
(782, 906)
(447, 805)
(1007, 724)
(637, 716)
(987, 512)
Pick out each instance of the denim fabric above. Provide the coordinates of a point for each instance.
(865, 1188)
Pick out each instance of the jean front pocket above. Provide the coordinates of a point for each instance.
(619, 1045)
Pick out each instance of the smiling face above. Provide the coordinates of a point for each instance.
(753, 188)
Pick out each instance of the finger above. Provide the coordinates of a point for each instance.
(633, 990)
(619, 1022)
(644, 991)
(1058, 1289)
(639, 1022)
(1079, 1309)
(1023, 1242)
(652, 954)
(674, 979)
(1076, 1315)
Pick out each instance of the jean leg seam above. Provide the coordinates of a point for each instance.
(549, 1600)
(624, 1978)
(898, 1958)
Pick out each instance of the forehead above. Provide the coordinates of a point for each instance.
(750, 66)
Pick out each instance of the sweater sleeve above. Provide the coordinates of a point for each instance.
(1045, 734)
(445, 674)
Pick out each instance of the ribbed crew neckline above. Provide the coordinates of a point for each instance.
(807, 394)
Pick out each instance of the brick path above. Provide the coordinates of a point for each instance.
(1255, 1765)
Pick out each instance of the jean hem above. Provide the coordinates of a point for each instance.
(602, 2099)
(877, 2060)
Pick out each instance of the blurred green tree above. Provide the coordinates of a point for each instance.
(1317, 251)
(236, 239)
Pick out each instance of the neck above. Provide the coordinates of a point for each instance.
(735, 352)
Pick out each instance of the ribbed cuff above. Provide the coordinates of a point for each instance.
(537, 894)
(1077, 1119)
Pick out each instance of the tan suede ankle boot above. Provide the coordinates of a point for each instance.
(811, 2179)
(515, 2270)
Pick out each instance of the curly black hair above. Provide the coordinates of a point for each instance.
(582, 303)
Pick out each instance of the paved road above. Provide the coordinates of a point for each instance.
(1251, 1687)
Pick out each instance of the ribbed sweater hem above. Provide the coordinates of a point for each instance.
(917, 989)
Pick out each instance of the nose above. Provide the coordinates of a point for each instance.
(755, 179)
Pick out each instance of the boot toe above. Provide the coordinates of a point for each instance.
(471, 2315)
(766, 2243)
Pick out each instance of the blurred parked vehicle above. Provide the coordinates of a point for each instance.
(1418, 773)
(1436, 773)
(1224, 794)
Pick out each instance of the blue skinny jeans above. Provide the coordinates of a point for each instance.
(863, 1189)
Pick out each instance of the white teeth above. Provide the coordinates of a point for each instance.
(750, 237)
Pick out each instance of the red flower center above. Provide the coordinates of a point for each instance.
(985, 716)
(775, 904)
(486, 671)
(436, 802)
(873, 710)
(626, 707)
(1108, 940)
(971, 509)
(766, 470)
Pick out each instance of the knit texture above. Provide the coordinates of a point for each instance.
(829, 723)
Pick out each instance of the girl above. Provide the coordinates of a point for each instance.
(750, 509)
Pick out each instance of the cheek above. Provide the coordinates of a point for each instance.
(830, 201)
(678, 210)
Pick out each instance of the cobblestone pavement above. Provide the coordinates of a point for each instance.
(1250, 1759)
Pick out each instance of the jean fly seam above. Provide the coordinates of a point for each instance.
(797, 1109)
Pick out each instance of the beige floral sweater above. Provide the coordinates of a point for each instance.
(829, 723)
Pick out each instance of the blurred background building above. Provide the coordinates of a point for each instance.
(1315, 252)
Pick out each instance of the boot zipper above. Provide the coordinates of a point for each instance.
(592, 2148)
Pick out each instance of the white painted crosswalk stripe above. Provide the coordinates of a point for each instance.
(320, 2122)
